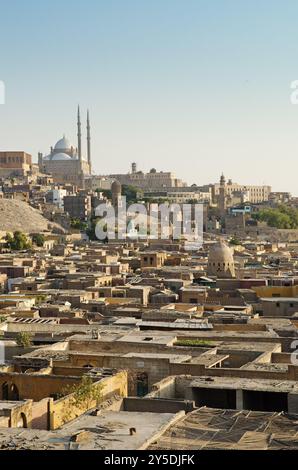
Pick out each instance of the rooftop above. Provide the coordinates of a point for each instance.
(214, 429)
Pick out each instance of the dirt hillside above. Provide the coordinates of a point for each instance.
(18, 215)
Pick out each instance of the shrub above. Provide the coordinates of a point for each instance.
(18, 241)
(38, 239)
(24, 339)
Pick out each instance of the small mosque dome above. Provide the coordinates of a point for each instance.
(63, 144)
(61, 156)
(221, 261)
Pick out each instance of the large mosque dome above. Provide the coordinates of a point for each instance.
(221, 261)
(63, 144)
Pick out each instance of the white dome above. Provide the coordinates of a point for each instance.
(61, 156)
(63, 144)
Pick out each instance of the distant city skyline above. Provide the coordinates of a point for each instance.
(197, 88)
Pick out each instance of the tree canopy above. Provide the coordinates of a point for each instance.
(131, 193)
(282, 217)
(18, 241)
(38, 239)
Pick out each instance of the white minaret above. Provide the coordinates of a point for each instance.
(79, 135)
(88, 141)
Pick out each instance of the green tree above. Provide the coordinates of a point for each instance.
(192, 201)
(281, 217)
(38, 239)
(154, 200)
(78, 224)
(132, 193)
(234, 241)
(18, 241)
(85, 393)
(107, 193)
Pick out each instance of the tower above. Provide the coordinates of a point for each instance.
(116, 195)
(222, 196)
(79, 136)
(40, 161)
(133, 168)
(88, 142)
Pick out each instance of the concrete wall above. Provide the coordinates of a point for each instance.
(36, 386)
(122, 347)
(272, 291)
(279, 307)
(40, 414)
(151, 405)
(165, 388)
(20, 415)
(281, 358)
(155, 368)
(36, 328)
(64, 410)
(238, 359)
(11, 351)
(176, 386)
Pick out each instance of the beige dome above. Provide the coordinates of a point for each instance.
(221, 261)
(220, 252)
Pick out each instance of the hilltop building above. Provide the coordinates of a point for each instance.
(152, 180)
(228, 193)
(66, 162)
(15, 164)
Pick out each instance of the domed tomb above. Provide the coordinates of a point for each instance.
(221, 261)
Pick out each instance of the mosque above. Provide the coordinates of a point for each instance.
(221, 261)
(66, 162)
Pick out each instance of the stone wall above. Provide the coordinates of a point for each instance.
(64, 410)
(151, 405)
(35, 386)
(40, 414)
(155, 368)
(166, 388)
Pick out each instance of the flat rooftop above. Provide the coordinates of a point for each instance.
(266, 367)
(108, 431)
(237, 383)
(8, 405)
(176, 325)
(172, 357)
(152, 337)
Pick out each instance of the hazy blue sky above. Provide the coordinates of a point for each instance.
(195, 86)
